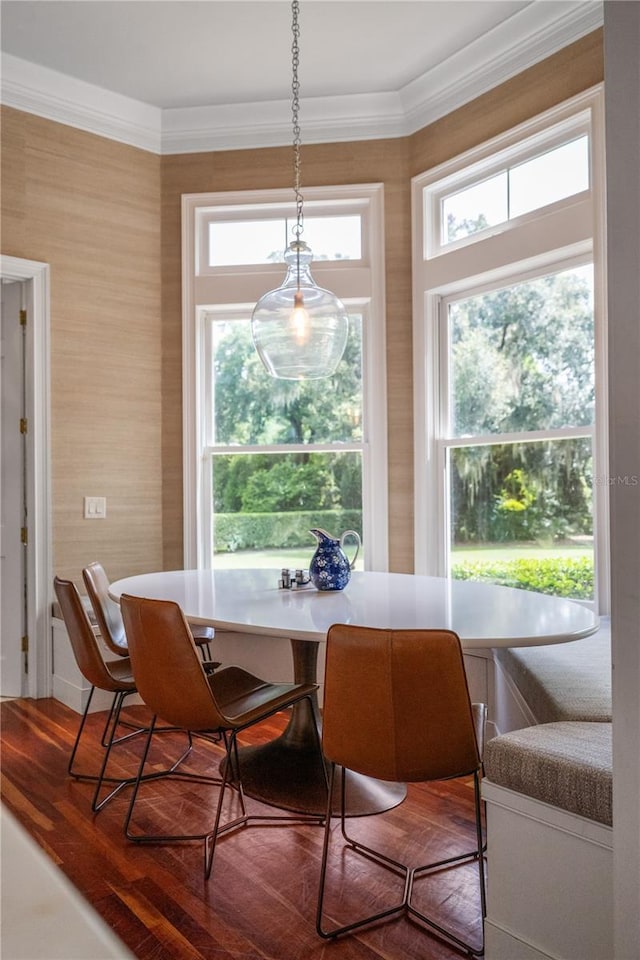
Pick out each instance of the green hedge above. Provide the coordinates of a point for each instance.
(259, 531)
(562, 576)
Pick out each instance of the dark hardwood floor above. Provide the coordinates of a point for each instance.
(259, 903)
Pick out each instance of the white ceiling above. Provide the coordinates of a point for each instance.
(189, 54)
(216, 73)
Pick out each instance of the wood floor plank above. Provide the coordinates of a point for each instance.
(260, 901)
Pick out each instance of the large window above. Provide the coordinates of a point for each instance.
(517, 433)
(269, 459)
(510, 441)
(285, 455)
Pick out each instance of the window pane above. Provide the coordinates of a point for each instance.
(239, 242)
(265, 505)
(522, 358)
(557, 174)
(250, 407)
(482, 205)
(333, 238)
(521, 515)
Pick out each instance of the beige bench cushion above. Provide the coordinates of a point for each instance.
(564, 681)
(567, 765)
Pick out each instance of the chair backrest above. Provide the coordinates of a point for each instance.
(396, 704)
(169, 674)
(83, 639)
(107, 611)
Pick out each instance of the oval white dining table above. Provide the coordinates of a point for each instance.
(286, 772)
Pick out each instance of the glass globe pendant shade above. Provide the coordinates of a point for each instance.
(299, 330)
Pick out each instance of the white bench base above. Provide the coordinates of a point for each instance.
(550, 881)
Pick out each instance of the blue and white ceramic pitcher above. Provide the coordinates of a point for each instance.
(330, 568)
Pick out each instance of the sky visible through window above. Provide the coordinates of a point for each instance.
(239, 242)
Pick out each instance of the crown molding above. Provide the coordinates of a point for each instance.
(56, 96)
(495, 57)
(491, 59)
(268, 124)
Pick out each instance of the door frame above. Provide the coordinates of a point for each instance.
(38, 486)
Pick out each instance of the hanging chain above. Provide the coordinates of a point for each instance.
(295, 110)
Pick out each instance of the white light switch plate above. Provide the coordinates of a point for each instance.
(95, 508)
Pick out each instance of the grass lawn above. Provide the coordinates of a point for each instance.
(296, 558)
(299, 557)
(524, 551)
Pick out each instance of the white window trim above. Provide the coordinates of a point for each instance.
(524, 142)
(358, 283)
(552, 238)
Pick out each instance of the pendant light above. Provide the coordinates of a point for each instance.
(299, 329)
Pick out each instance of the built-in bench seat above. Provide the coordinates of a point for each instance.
(565, 681)
(567, 765)
(548, 793)
(549, 843)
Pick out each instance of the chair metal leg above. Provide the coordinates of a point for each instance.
(108, 736)
(228, 779)
(107, 739)
(142, 777)
(97, 804)
(107, 733)
(114, 717)
(476, 854)
(409, 874)
(231, 778)
(70, 770)
(359, 848)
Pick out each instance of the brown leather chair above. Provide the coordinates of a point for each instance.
(113, 676)
(109, 618)
(396, 707)
(172, 681)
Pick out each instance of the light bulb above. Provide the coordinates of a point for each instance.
(300, 321)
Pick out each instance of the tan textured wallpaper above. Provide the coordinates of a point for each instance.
(107, 219)
(89, 207)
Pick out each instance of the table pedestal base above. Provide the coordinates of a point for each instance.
(291, 778)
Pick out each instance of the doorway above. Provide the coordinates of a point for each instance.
(13, 514)
(25, 542)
